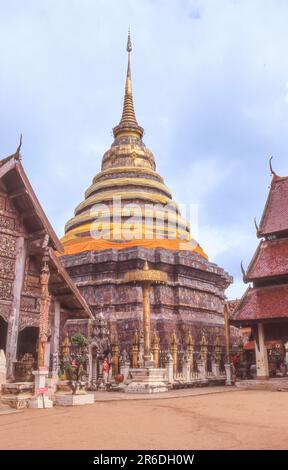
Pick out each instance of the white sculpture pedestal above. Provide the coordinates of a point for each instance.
(147, 380)
(228, 371)
(40, 399)
(67, 399)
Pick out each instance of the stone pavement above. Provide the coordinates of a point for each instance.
(5, 409)
(190, 392)
(278, 384)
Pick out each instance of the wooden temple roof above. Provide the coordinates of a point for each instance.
(14, 181)
(262, 303)
(62, 287)
(275, 215)
(17, 185)
(269, 260)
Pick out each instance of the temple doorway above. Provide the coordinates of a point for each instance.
(28, 342)
(3, 334)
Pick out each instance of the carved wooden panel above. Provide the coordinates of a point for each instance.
(6, 288)
(7, 222)
(2, 203)
(7, 266)
(5, 311)
(28, 320)
(7, 245)
(28, 303)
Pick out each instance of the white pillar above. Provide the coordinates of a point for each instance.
(187, 369)
(124, 370)
(169, 368)
(47, 354)
(261, 355)
(40, 398)
(13, 322)
(201, 366)
(215, 368)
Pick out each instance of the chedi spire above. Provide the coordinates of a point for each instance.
(128, 124)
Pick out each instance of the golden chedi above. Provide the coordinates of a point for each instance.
(128, 203)
(128, 217)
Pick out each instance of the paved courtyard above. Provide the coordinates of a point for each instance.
(238, 420)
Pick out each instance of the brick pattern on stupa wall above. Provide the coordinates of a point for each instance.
(193, 298)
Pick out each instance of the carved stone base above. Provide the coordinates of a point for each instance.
(147, 380)
(16, 401)
(65, 399)
(40, 402)
(17, 388)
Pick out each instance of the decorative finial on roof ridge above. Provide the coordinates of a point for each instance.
(256, 225)
(243, 271)
(271, 168)
(17, 153)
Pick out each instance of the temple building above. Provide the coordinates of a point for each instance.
(37, 295)
(128, 217)
(264, 306)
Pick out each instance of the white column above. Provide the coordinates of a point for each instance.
(169, 369)
(261, 354)
(13, 322)
(187, 369)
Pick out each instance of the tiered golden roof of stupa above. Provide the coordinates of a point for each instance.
(128, 203)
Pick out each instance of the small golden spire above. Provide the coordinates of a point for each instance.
(128, 124)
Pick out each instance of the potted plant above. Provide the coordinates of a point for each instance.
(75, 365)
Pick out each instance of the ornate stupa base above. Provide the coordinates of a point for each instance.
(147, 380)
(191, 301)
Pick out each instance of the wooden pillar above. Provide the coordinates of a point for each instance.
(55, 339)
(227, 333)
(13, 322)
(146, 321)
(261, 354)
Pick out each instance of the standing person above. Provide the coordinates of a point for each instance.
(105, 370)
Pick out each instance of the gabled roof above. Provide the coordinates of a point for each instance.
(269, 260)
(18, 187)
(64, 288)
(262, 303)
(16, 182)
(275, 215)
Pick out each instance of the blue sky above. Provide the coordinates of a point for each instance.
(210, 81)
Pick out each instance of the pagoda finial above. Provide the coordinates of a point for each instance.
(271, 168)
(128, 123)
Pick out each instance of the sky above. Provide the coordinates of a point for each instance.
(210, 84)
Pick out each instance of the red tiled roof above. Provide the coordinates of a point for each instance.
(262, 303)
(275, 216)
(270, 259)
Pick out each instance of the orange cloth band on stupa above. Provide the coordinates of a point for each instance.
(89, 244)
(128, 172)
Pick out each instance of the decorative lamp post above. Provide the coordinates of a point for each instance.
(146, 277)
